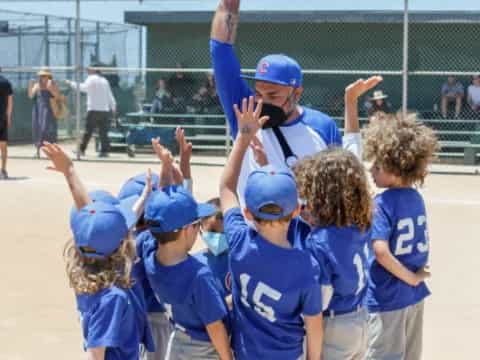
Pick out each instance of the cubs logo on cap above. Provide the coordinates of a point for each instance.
(278, 69)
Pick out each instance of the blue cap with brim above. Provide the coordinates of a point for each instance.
(136, 184)
(173, 208)
(271, 186)
(99, 228)
(278, 69)
(126, 204)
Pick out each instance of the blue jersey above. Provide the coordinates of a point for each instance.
(272, 288)
(342, 254)
(115, 319)
(142, 284)
(399, 218)
(232, 88)
(219, 267)
(188, 291)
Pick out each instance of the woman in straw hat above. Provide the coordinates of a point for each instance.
(378, 103)
(43, 121)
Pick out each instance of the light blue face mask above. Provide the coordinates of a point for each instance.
(216, 242)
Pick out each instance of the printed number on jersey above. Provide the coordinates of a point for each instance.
(408, 225)
(261, 290)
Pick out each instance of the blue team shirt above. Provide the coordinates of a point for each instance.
(188, 291)
(232, 88)
(219, 267)
(114, 318)
(272, 288)
(342, 254)
(142, 286)
(400, 219)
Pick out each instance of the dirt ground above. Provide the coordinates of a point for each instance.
(38, 319)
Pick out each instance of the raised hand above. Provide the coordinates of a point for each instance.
(361, 86)
(249, 120)
(184, 146)
(231, 5)
(259, 152)
(59, 158)
(164, 155)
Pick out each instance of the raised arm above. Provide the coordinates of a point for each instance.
(249, 123)
(165, 156)
(63, 164)
(32, 89)
(352, 140)
(185, 158)
(225, 21)
(231, 87)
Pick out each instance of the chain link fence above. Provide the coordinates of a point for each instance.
(177, 88)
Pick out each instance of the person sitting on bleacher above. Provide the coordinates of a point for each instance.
(474, 96)
(452, 93)
(162, 100)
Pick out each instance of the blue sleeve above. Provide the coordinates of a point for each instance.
(324, 126)
(234, 226)
(231, 88)
(320, 252)
(106, 323)
(312, 296)
(444, 89)
(209, 303)
(382, 228)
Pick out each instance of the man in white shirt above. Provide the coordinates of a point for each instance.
(474, 95)
(100, 103)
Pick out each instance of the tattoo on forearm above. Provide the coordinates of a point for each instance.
(247, 129)
(230, 25)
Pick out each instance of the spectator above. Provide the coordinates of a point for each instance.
(6, 107)
(180, 86)
(452, 93)
(100, 102)
(162, 99)
(44, 124)
(377, 103)
(206, 99)
(474, 95)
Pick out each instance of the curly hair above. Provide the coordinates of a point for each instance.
(403, 147)
(335, 186)
(90, 275)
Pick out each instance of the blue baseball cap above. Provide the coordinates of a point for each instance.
(278, 69)
(124, 205)
(271, 186)
(99, 228)
(173, 208)
(135, 185)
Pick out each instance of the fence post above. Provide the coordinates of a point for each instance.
(97, 42)
(77, 75)
(47, 42)
(19, 54)
(405, 61)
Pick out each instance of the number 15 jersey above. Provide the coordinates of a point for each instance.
(399, 218)
(272, 288)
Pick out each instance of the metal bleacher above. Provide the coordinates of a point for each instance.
(458, 138)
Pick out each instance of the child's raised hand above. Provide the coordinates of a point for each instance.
(249, 120)
(59, 158)
(148, 183)
(361, 86)
(259, 152)
(163, 153)
(184, 146)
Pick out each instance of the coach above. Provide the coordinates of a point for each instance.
(293, 131)
(100, 102)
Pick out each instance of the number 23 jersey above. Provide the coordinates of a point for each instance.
(272, 288)
(399, 218)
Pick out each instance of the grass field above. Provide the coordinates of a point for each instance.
(38, 319)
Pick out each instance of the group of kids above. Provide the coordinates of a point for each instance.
(312, 267)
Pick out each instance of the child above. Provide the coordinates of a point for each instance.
(182, 283)
(335, 187)
(216, 254)
(276, 295)
(401, 150)
(99, 260)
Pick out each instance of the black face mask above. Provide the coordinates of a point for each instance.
(277, 117)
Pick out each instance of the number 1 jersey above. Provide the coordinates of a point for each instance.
(272, 287)
(399, 218)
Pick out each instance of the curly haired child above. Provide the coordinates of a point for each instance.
(400, 151)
